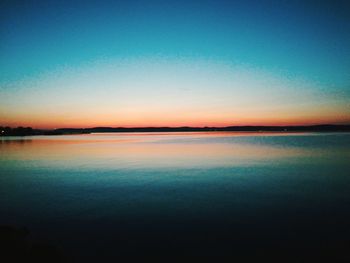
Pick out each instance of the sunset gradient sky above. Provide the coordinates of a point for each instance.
(174, 63)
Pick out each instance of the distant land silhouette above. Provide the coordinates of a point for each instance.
(27, 131)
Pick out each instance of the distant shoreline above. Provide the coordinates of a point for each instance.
(28, 131)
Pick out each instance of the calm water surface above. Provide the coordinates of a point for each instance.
(199, 195)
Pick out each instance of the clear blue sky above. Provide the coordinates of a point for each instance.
(49, 51)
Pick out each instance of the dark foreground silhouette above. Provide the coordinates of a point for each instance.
(16, 246)
(197, 242)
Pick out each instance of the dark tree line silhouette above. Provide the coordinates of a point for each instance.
(24, 131)
(19, 131)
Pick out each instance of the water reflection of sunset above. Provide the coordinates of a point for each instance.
(143, 150)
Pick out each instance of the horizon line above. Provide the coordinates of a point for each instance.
(177, 127)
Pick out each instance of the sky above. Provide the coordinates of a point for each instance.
(174, 63)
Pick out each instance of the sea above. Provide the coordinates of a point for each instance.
(181, 196)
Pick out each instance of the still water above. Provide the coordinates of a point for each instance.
(196, 195)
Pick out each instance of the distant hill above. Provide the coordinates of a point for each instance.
(21, 131)
(316, 128)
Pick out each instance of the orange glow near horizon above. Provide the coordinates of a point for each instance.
(54, 123)
(168, 93)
